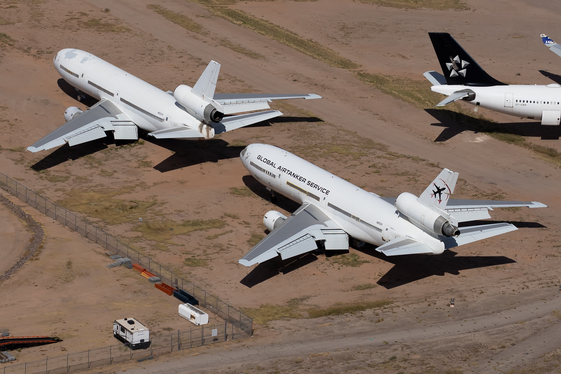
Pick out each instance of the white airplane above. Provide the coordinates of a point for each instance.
(127, 102)
(464, 79)
(553, 47)
(333, 210)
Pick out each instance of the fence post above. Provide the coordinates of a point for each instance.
(178, 341)
(225, 330)
(88, 359)
(171, 341)
(202, 335)
(67, 367)
(110, 358)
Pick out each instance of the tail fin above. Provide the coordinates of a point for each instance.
(457, 65)
(438, 192)
(547, 40)
(206, 84)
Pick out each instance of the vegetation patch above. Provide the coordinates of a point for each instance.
(178, 18)
(241, 191)
(267, 313)
(350, 259)
(105, 206)
(164, 230)
(420, 4)
(362, 287)
(195, 262)
(98, 25)
(278, 33)
(5, 39)
(340, 308)
(241, 49)
(255, 238)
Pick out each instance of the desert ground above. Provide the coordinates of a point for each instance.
(201, 211)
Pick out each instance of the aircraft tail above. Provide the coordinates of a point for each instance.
(206, 85)
(547, 40)
(458, 67)
(439, 191)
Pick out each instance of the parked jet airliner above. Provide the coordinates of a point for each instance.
(333, 210)
(464, 79)
(127, 102)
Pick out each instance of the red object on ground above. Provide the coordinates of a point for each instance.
(138, 268)
(165, 288)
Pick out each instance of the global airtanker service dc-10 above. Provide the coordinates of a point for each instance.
(127, 102)
(464, 79)
(333, 210)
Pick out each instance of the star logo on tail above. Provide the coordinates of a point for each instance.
(457, 67)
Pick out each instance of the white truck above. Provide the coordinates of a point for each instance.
(131, 332)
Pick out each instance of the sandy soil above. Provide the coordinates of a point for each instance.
(14, 239)
(376, 141)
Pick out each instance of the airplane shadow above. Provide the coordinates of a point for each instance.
(193, 152)
(554, 77)
(412, 268)
(71, 91)
(65, 153)
(276, 266)
(455, 123)
(260, 190)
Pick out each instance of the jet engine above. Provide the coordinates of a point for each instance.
(71, 113)
(273, 220)
(197, 106)
(422, 215)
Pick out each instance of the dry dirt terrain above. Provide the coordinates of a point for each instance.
(201, 211)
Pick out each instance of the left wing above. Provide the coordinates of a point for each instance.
(88, 126)
(553, 47)
(297, 235)
(238, 103)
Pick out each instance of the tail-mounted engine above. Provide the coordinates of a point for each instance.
(273, 220)
(71, 113)
(421, 215)
(204, 109)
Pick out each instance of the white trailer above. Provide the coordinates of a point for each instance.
(193, 314)
(131, 332)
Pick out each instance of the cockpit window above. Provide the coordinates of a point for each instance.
(243, 152)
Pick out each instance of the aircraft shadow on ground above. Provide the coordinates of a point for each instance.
(554, 77)
(68, 89)
(455, 123)
(65, 153)
(276, 266)
(257, 188)
(192, 152)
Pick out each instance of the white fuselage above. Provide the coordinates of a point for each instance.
(517, 100)
(148, 107)
(363, 215)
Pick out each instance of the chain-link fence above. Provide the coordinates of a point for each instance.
(206, 300)
(74, 362)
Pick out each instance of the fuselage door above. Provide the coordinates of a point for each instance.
(509, 97)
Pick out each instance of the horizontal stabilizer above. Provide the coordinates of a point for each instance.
(180, 132)
(404, 246)
(225, 99)
(458, 95)
(435, 78)
(248, 106)
(235, 122)
(471, 234)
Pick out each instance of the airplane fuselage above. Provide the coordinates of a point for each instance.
(362, 214)
(149, 108)
(518, 100)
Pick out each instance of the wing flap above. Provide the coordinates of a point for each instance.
(89, 134)
(296, 236)
(472, 234)
(404, 246)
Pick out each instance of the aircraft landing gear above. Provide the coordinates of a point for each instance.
(273, 197)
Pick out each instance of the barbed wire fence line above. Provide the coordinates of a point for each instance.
(235, 321)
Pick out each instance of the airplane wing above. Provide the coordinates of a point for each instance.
(297, 235)
(227, 124)
(404, 246)
(462, 94)
(553, 47)
(472, 210)
(238, 103)
(88, 126)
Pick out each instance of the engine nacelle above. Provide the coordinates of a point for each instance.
(71, 113)
(422, 215)
(273, 220)
(196, 105)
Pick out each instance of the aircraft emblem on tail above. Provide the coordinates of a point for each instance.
(457, 66)
(439, 191)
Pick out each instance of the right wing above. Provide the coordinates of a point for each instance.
(238, 103)
(297, 235)
(89, 125)
(553, 47)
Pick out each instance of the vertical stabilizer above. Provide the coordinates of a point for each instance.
(457, 65)
(206, 84)
(438, 192)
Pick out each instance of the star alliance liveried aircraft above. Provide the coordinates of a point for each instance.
(464, 79)
(553, 47)
(333, 210)
(127, 102)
